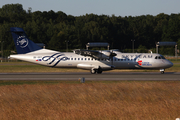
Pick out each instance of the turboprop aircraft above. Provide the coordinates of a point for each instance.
(94, 60)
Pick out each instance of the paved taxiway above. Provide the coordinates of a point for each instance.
(88, 76)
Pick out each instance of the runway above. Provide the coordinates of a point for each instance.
(104, 76)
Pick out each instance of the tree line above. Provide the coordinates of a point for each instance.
(55, 28)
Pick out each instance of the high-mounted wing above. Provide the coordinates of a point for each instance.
(95, 54)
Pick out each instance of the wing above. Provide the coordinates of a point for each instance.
(95, 54)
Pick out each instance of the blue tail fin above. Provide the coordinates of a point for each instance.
(21, 41)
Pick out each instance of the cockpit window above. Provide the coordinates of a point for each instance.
(163, 57)
(160, 57)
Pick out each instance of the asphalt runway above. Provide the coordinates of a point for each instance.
(104, 76)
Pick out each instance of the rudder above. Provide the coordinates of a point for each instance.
(22, 42)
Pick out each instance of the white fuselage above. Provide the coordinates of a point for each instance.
(120, 61)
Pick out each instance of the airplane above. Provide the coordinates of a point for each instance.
(96, 61)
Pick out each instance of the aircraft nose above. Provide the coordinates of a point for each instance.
(169, 64)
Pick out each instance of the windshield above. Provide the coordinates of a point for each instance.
(163, 57)
(160, 57)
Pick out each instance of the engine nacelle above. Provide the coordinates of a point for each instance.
(101, 56)
(107, 53)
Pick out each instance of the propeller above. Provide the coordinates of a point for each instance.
(111, 56)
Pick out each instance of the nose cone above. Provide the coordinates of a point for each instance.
(169, 64)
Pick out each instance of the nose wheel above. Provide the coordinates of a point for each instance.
(162, 71)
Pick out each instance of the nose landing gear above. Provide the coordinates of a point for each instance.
(162, 71)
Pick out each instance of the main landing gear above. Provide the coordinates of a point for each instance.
(162, 71)
(94, 71)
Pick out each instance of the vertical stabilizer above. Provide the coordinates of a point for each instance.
(21, 41)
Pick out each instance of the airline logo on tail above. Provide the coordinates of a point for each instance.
(22, 41)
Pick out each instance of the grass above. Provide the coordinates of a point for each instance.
(72, 100)
(107, 100)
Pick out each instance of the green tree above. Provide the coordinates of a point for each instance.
(142, 49)
(13, 13)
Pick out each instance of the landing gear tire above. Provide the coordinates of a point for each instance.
(99, 71)
(162, 72)
(93, 71)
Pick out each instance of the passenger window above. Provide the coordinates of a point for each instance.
(71, 58)
(84, 58)
(74, 58)
(78, 58)
(88, 58)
